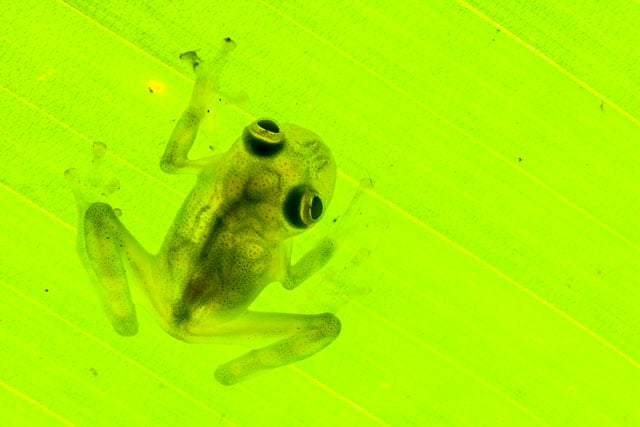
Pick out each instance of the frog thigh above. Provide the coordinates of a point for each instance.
(110, 251)
(298, 337)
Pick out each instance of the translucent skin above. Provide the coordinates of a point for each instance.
(229, 240)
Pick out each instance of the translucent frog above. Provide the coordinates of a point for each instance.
(229, 240)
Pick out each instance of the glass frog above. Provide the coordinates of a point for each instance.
(229, 240)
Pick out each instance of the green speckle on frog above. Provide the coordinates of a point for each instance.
(229, 240)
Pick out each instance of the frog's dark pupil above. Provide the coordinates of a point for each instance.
(269, 125)
(316, 208)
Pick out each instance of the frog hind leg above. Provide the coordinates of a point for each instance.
(105, 246)
(110, 250)
(298, 337)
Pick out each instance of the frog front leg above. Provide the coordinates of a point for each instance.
(309, 263)
(175, 158)
(347, 226)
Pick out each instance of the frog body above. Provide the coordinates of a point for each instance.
(231, 228)
(229, 240)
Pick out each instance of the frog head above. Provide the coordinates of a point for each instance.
(293, 168)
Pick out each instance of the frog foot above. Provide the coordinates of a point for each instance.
(93, 186)
(208, 73)
(217, 63)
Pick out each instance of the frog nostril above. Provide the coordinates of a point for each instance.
(269, 125)
(263, 138)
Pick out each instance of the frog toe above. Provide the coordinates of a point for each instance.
(127, 327)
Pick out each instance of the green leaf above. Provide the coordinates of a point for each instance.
(503, 139)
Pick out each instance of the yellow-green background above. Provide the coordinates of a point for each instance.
(503, 143)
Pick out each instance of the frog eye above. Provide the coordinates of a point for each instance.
(263, 138)
(303, 207)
